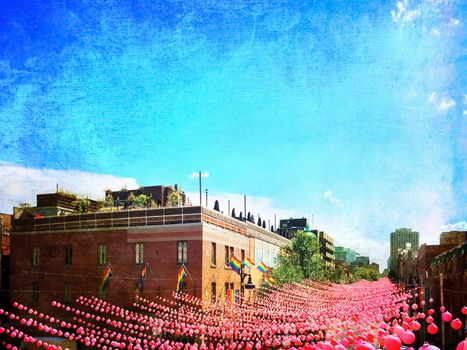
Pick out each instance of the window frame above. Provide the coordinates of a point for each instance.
(139, 253)
(213, 254)
(182, 252)
(68, 252)
(102, 256)
(35, 258)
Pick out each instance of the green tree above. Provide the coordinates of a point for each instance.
(366, 273)
(131, 197)
(109, 201)
(142, 200)
(301, 259)
(175, 198)
(81, 205)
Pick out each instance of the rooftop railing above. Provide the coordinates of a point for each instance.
(138, 217)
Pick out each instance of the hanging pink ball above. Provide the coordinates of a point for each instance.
(408, 337)
(442, 308)
(429, 319)
(415, 326)
(462, 345)
(446, 316)
(430, 300)
(392, 342)
(464, 310)
(427, 346)
(432, 328)
(414, 306)
(456, 324)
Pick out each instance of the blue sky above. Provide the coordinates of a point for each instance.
(353, 111)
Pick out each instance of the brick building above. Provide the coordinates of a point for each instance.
(62, 257)
(326, 243)
(5, 228)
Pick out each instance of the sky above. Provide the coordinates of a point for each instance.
(350, 113)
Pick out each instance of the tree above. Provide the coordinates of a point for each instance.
(109, 201)
(175, 198)
(301, 259)
(142, 200)
(81, 205)
(131, 197)
(366, 273)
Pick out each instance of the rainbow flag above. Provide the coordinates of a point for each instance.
(235, 264)
(267, 282)
(237, 296)
(262, 267)
(142, 276)
(248, 263)
(231, 295)
(106, 278)
(181, 276)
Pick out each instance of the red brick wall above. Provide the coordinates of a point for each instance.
(85, 275)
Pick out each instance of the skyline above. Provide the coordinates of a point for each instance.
(352, 112)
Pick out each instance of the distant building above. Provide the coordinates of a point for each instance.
(453, 238)
(326, 243)
(362, 261)
(346, 255)
(288, 227)
(399, 240)
(374, 266)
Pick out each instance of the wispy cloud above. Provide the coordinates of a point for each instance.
(195, 175)
(264, 206)
(21, 184)
(404, 13)
(445, 104)
(332, 198)
(458, 226)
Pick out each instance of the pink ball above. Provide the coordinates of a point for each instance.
(446, 316)
(392, 342)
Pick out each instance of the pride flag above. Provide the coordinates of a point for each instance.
(142, 276)
(262, 267)
(106, 278)
(180, 278)
(248, 263)
(235, 264)
(267, 282)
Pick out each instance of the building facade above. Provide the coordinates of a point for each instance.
(403, 238)
(5, 228)
(346, 255)
(326, 243)
(63, 257)
(288, 227)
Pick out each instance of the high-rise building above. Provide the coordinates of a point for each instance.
(288, 227)
(346, 255)
(402, 238)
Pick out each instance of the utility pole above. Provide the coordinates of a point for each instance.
(200, 203)
(228, 204)
(206, 197)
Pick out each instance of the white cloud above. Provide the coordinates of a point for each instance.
(21, 184)
(263, 206)
(195, 175)
(332, 198)
(458, 226)
(405, 14)
(445, 104)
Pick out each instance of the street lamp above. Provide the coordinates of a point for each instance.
(249, 285)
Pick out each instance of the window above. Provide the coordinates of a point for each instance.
(213, 291)
(35, 292)
(67, 293)
(243, 255)
(139, 249)
(213, 254)
(227, 255)
(102, 254)
(226, 288)
(182, 252)
(68, 254)
(232, 286)
(35, 256)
